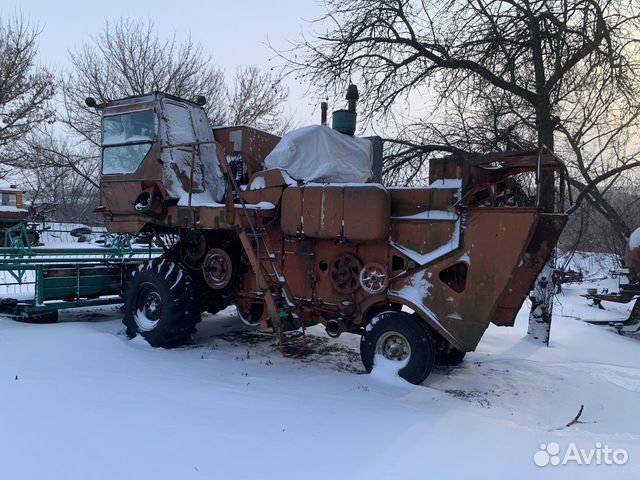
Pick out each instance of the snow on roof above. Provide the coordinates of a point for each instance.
(9, 189)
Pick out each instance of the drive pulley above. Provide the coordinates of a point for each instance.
(217, 268)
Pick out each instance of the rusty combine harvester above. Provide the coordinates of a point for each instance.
(294, 233)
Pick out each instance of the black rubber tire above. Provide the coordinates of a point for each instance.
(77, 232)
(449, 356)
(180, 309)
(423, 351)
(33, 237)
(212, 301)
(39, 318)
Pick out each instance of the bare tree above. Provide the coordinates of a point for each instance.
(58, 177)
(529, 61)
(257, 98)
(25, 88)
(129, 58)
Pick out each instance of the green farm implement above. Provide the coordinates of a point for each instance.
(37, 282)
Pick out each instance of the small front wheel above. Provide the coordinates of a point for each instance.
(399, 337)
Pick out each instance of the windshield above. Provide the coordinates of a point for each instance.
(128, 127)
(136, 131)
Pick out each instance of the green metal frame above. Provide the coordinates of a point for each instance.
(68, 277)
(17, 237)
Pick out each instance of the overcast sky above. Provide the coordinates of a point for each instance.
(234, 32)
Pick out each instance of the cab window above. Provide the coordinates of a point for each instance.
(126, 140)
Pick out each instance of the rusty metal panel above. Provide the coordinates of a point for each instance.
(442, 198)
(408, 201)
(124, 223)
(271, 178)
(632, 257)
(539, 249)
(495, 242)
(312, 213)
(410, 234)
(332, 211)
(292, 211)
(252, 144)
(366, 213)
(270, 194)
(336, 211)
(444, 168)
(298, 267)
(439, 233)
(325, 254)
(422, 236)
(120, 197)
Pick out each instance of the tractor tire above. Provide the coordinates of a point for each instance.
(78, 232)
(449, 356)
(400, 337)
(41, 318)
(211, 301)
(160, 304)
(33, 237)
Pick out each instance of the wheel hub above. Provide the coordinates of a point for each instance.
(217, 268)
(393, 346)
(152, 305)
(148, 308)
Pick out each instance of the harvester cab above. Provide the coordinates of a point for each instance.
(294, 232)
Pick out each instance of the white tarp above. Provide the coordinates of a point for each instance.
(320, 154)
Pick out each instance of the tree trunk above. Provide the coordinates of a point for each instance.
(544, 290)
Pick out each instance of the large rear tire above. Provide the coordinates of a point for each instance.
(160, 304)
(400, 337)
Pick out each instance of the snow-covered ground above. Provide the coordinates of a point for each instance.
(78, 400)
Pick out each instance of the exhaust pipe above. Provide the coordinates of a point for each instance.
(344, 121)
(335, 328)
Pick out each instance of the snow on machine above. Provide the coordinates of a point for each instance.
(293, 232)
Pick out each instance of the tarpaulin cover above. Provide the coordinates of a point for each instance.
(320, 154)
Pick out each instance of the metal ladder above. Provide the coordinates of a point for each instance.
(270, 280)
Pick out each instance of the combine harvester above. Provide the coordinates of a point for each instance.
(293, 232)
